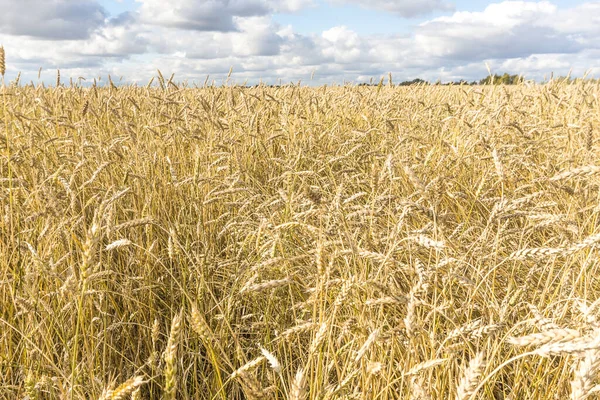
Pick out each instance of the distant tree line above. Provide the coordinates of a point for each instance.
(504, 79)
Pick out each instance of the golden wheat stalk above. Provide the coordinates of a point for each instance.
(170, 388)
(2, 61)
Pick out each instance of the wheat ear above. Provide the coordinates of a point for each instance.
(170, 389)
(2, 61)
(471, 377)
(298, 387)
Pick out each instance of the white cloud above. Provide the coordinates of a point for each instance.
(404, 8)
(581, 23)
(51, 19)
(290, 6)
(504, 30)
(533, 38)
(539, 65)
(257, 36)
(211, 15)
(341, 45)
(505, 14)
(254, 36)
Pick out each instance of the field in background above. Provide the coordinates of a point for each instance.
(303, 243)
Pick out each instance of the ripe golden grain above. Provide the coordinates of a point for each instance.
(586, 374)
(125, 389)
(471, 377)
(273, 361)
(551, 336)
(170, 388)
(298, 387)
(425, 365)
(2, 61)
(286, 210)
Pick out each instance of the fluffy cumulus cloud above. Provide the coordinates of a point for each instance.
(51, 19)
(504, 30)
(211, 15)
(581, 23)
(533, 38)
(404, 8)
(342, 45)
(194, 38)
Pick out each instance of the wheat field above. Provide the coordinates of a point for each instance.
(342, 242)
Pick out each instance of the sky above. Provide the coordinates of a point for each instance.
(313, 41)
